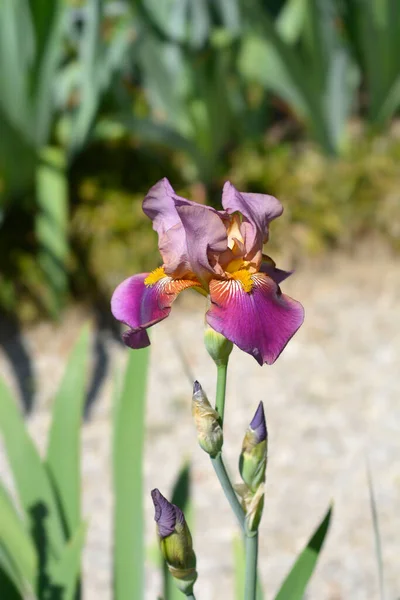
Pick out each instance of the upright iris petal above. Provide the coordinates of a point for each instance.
(159, 206)
(258, 210)
(205, 238)
(219, 253)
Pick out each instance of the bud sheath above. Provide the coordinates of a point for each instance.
(207, 420)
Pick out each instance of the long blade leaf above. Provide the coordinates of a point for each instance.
(17, 555)
(129, 424)
(65, 572)
(11, 586)
(34, 488)
(52, 224)
(377, 535)
(295, 584)
(63, 452)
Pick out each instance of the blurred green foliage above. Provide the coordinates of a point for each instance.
(104, 97)
(329, 203)
(42, 530)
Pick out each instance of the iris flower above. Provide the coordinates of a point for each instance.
(220, 254)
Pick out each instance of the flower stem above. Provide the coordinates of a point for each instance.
(191, 596)
(229, 492)
(222, 371)
(251, 549)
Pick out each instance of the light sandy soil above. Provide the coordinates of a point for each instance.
(332, 400)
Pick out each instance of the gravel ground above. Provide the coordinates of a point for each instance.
(332, 399)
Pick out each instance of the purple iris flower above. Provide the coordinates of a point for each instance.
(220, 254)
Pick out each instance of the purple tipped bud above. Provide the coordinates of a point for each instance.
(258, 424)
(167, 515)
(196, 387)
(175, 542)
(253, 458)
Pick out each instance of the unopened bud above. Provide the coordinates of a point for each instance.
(253, 458)
(217, 346)
(209, 431)
(176, 542)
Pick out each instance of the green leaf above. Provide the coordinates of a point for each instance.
(63, 452)
(90, 63)
(65, 572)
(128, 441)
(296, 581)
(17, 175)
(16, 47)
(278, 66)
(377, 535)
(17, 552)
(52, 225)
(35, 491)
(239, 570)
(290, 21)
(342, 81)
(49, 20)
(11, 584)
(380, 61)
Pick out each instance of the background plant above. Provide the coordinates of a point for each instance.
(91, 85)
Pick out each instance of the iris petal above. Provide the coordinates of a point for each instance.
(140, 306)
(189, 234)
(159, 206)
(206, 237)
(269, 268)
(258, 210)
(260, 322)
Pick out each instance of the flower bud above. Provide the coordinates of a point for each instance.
(175, 542)
(253, 458)
(217, 346)
(209, 431)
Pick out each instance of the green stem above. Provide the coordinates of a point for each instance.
(191, 596)
(251, 549)
(229, 492)
(222, 371)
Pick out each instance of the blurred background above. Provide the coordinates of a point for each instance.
(295, 98)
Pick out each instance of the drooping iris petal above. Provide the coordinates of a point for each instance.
(260, 322)
(140, 306)
(136, 338)
(205, 237)
(258, 211)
